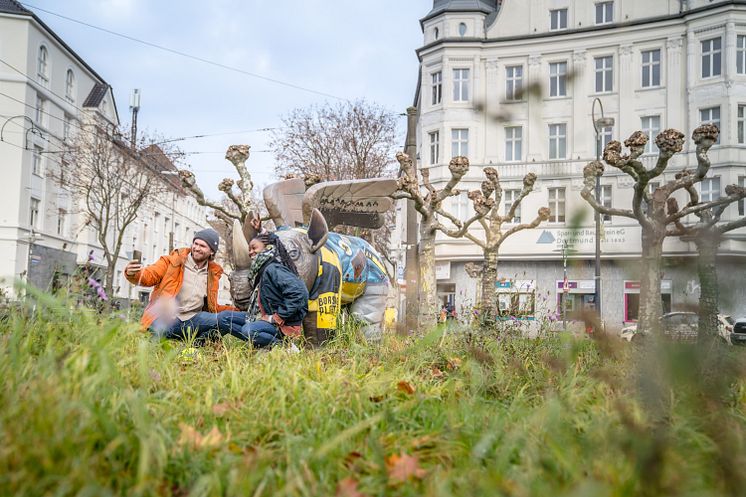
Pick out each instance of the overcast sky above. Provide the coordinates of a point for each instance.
(347, 48)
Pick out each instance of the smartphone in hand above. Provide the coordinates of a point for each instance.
(137, 256)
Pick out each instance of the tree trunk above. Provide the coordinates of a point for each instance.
(428, 308)
(111, 271)
(651, 305)
(707, 246)
(488, 304)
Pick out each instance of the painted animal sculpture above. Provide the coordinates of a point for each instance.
(339, 271)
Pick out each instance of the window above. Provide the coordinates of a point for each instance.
(709, 189)
(436, 33)
(605, 135)
(558, 79)
(651, 126)
(70, 86)
(513, 143)
(741, 124)
(515, 304)
(741, 183)
(461, 206)
(462, 29)
(651, 68)
(604, 12)
(34, 212)
(509, 197)
(63, 167)
(459, 142)
(513, 82)
(36, 161)
(605, 200)
(460, 85)
(741, 54)
(652, 186)
(557, 205)
(711, 115)
(42, 65)
(558, 19)
(40, 110)
(61, 213)
(66, 127)
(711, 52)
(437, 79)
(604, 74)
(434, 147)
(557, 141)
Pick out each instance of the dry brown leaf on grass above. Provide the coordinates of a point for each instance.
(193, 439)
(406, 387)
(423, 442)
(403, 467)
(454, 363)
(348, 488)
(351, 458)
(436, 372)
(220, 410)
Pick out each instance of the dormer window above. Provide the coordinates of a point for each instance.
(43, 65)
(462, 29)
(70, 86)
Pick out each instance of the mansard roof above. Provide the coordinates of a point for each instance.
(13, 7)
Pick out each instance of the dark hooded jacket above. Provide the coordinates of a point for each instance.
(283, 293)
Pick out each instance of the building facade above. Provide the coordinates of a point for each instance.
(48, 94)
(512, 84)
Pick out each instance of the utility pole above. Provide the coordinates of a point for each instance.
(412, 265)
(135, 108)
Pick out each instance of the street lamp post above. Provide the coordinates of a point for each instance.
(598, 125)
(565, 284)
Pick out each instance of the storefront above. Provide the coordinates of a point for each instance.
(446, 291)
(516, 298)
(576, 296)
(632, 298)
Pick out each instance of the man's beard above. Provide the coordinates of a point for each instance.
(200, 257)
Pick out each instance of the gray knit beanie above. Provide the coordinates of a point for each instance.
(210, 237)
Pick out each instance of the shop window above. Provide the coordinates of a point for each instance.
(518, 305)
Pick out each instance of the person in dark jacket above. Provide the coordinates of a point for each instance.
(279, 301)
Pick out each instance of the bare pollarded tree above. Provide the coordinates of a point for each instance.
(241, 201)
(351, 140)
(111, 184)
(430, 205)
(649, 209)
(707, 234)
(488, 203)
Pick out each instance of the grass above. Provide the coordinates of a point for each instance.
(91, 408)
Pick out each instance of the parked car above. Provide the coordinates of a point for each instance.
(738, 335)
(683, 326)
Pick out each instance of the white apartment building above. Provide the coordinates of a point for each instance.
(653, 65)
(47, 95)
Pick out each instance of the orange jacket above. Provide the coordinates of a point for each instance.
(167, 276)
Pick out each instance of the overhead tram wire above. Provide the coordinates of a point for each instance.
(73, 123)
(188, 56)
(154, 199)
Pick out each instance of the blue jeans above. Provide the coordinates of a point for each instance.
(260, 333)
(201, 326)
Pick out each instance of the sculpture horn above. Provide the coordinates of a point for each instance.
(252, 225)
(240, 247)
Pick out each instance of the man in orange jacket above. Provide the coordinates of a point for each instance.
(185, 299)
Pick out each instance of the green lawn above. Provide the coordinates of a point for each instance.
(95, 409)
